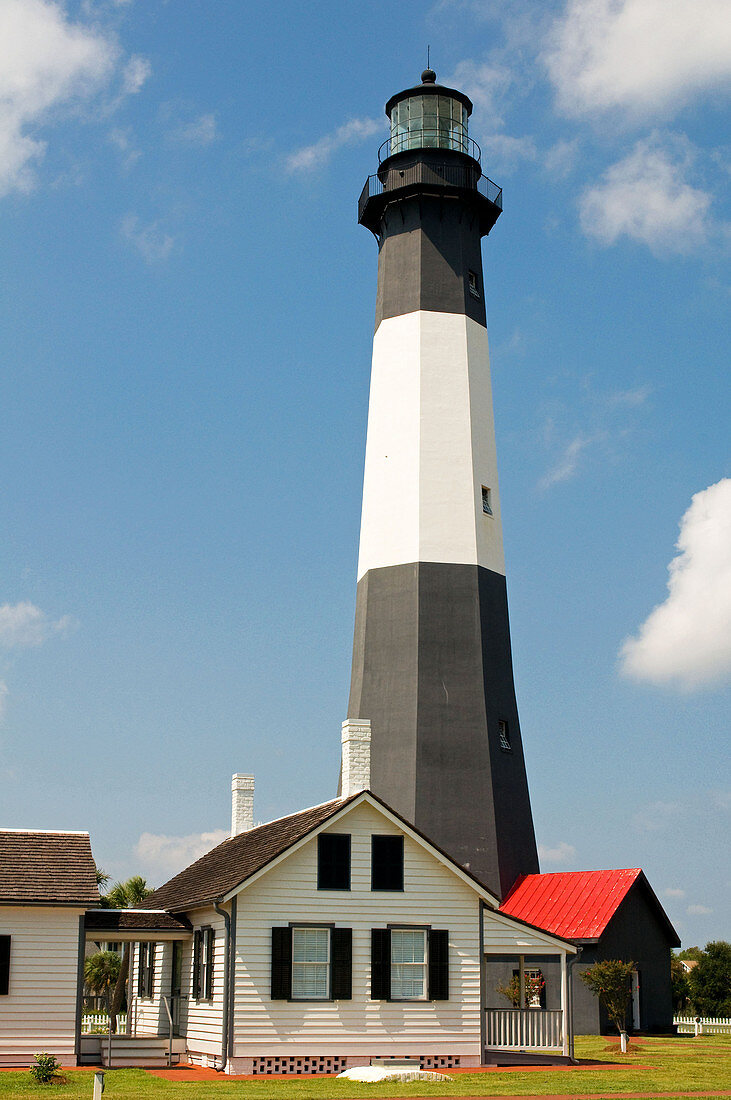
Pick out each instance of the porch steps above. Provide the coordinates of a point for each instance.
(524, 1058)
(148, 1052)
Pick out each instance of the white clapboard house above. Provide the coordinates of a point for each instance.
(329, 938)
(47, 882)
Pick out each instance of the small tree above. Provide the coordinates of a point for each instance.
(611, 981)
(534, 986)
(710, 980)
(100, 974)
(124, 895)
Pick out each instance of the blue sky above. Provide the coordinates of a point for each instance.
(185, 333)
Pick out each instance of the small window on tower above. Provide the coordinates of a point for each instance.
(474, 284)
(504, 735)
(486, 501)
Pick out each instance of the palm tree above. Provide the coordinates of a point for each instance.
(124, 895)
(101, 972)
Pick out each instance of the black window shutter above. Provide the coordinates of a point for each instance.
(150, 971)
(281, 964)
(197, 964)
(208, 991)
(438, 965)
(4, 964)
(387, 862)
(341, 950)
(333, 861)
(141, 971)
(380, 964)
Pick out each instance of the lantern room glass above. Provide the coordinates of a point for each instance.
(429, 122)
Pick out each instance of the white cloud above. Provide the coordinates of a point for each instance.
(200, 131)
(46, 62)
(311, 157)
(503, 153)
(686, 641)
(640, 56)
(567, 465)
(136, 72)
(122, 140)
(3, 698)
(673, 892)
(161, 855)
(152, 242)
(560, 159)
(699, 910)
(486, 84)
(23, 625)
(562, 853)
(656, 816)
(646, 197)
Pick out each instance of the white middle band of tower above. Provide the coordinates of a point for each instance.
(430, 448)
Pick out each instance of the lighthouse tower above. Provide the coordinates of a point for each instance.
(432, 668)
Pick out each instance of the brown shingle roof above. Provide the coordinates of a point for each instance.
(132, 920)
(237, 858)
(47, 868)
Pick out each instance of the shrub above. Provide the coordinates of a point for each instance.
(610, 981)
(44, 1068)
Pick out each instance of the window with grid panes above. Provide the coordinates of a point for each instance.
(310, 964)
(408, 964)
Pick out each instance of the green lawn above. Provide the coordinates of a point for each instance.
(663, 1066)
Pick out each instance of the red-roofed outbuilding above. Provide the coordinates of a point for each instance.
(611, 914)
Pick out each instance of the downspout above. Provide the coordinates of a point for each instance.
(483, 983)
(226, 984)
(570, 993)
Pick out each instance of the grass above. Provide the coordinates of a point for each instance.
(664, 1066)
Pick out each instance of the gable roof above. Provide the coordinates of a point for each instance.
(577, 905)
(239, 857)
(226, 867)
(47, 868)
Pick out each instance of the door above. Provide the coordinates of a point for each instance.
(635, 1022)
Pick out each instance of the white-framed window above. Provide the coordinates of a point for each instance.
(503, 730)
(310, 964)
(203, 939)
(408, 964)
(486, 501)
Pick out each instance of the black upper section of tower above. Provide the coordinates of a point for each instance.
(429, 154)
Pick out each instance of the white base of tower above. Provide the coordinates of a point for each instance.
(431, 447)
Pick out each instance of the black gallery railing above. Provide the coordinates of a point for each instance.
(466, 177)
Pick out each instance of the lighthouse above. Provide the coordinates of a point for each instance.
(432, 667)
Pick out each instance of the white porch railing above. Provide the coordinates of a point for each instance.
(702, 1025)
(519, 1028)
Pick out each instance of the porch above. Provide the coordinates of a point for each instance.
(148, 1031)
(526, 995)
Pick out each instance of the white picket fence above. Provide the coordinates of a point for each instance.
(95, 1021)
(702, 1025)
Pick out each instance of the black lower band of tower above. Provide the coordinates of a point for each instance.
(432, 670)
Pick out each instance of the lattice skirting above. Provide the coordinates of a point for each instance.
(302, 1065)
(309, 1064)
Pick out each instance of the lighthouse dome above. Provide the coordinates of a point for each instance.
(429, 116)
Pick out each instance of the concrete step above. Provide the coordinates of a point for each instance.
(149, 1052)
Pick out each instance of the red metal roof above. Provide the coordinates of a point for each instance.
(577, 905)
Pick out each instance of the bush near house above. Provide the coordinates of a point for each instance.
(44, 1068)
(611, 981)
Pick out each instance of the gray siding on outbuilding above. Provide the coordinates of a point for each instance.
(635, 933)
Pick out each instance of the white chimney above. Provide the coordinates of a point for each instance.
(356, 742)
(242, 803)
